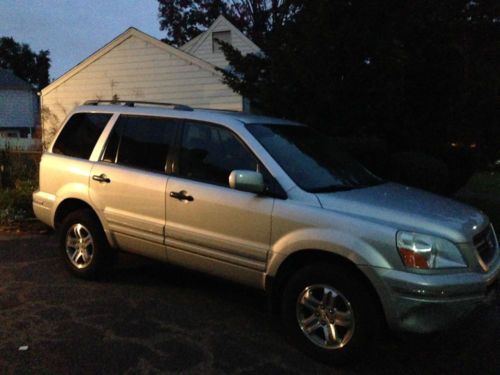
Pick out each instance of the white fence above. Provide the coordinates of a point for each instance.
(20, 144)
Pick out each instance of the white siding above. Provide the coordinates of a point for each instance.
(187, 46)
(17, 108)
(205, 52)
(137, 70)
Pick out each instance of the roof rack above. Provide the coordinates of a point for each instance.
(219, 110)
(132, 103)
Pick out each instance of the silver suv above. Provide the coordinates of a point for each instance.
(271, 204)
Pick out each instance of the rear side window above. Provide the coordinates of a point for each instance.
(80, 134)
(141, 142)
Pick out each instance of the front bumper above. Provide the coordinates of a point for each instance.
(425, 303)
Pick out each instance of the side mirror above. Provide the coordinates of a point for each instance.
(249, 181)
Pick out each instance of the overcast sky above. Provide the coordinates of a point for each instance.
(72, 30)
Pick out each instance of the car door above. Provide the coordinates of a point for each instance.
(128, 183)
(210, 226)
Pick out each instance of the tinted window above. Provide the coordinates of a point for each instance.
(80, 134)
(311, 159)
(210, 153)
(140, 142)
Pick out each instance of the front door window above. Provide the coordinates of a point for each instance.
(210, 153)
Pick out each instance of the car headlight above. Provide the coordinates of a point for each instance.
(428, 252)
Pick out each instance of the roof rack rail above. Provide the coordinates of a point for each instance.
(132, 103)
(219, 110)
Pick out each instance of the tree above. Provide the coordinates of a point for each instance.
(185, 19)
(401, 70)
(26, 64)
(423, 77)
(419, 76)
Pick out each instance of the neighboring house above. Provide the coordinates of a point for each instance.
(19, 113)
(136, 66)
(205, 46)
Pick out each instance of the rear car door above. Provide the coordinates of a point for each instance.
(210, 226)
(128, 183)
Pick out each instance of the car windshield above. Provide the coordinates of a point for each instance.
(311, 159)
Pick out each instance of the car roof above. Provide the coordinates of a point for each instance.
(184, 112)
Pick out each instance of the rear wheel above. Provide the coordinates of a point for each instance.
(83, 244)
(329, 312)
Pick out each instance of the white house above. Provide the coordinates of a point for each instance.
(205, 46)
(18, 112)
(136, 66)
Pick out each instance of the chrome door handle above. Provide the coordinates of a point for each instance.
(101, 178)
(181, 195)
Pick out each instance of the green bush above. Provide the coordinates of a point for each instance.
(15, 204)
(16, 166)
(419, 170)
(19, 178)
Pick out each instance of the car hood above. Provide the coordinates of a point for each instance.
(408, 208)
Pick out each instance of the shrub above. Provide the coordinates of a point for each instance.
(19, 178)
(419, 170)
(15, 204)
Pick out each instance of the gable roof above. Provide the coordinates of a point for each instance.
(8, 80)
(197, 41)
(127, 34)
(187, 46)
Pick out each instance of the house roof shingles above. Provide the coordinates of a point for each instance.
(9, 80)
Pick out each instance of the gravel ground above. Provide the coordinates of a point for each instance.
(146, 317)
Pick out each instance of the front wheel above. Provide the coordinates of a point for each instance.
(329, 312)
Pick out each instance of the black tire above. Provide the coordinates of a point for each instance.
(351, 311)
(83, 224)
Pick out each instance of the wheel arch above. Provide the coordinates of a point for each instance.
(275, 285)
(69, 205)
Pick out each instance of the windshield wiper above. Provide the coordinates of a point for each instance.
(331, 188)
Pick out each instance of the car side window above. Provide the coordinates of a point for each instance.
(141, 142)
(80, 134)
(210, 153)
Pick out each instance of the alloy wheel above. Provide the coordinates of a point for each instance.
(325, 316)
(79, 246)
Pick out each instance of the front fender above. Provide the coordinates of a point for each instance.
(339, 243)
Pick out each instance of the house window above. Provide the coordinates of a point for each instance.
(224, 36)
(9, 134)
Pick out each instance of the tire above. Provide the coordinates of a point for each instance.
(83, 245)
(330, 313)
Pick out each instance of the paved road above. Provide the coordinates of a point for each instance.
(152, 318)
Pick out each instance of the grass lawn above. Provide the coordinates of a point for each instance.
(483, 192)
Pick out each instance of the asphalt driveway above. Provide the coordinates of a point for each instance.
(146, 317)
